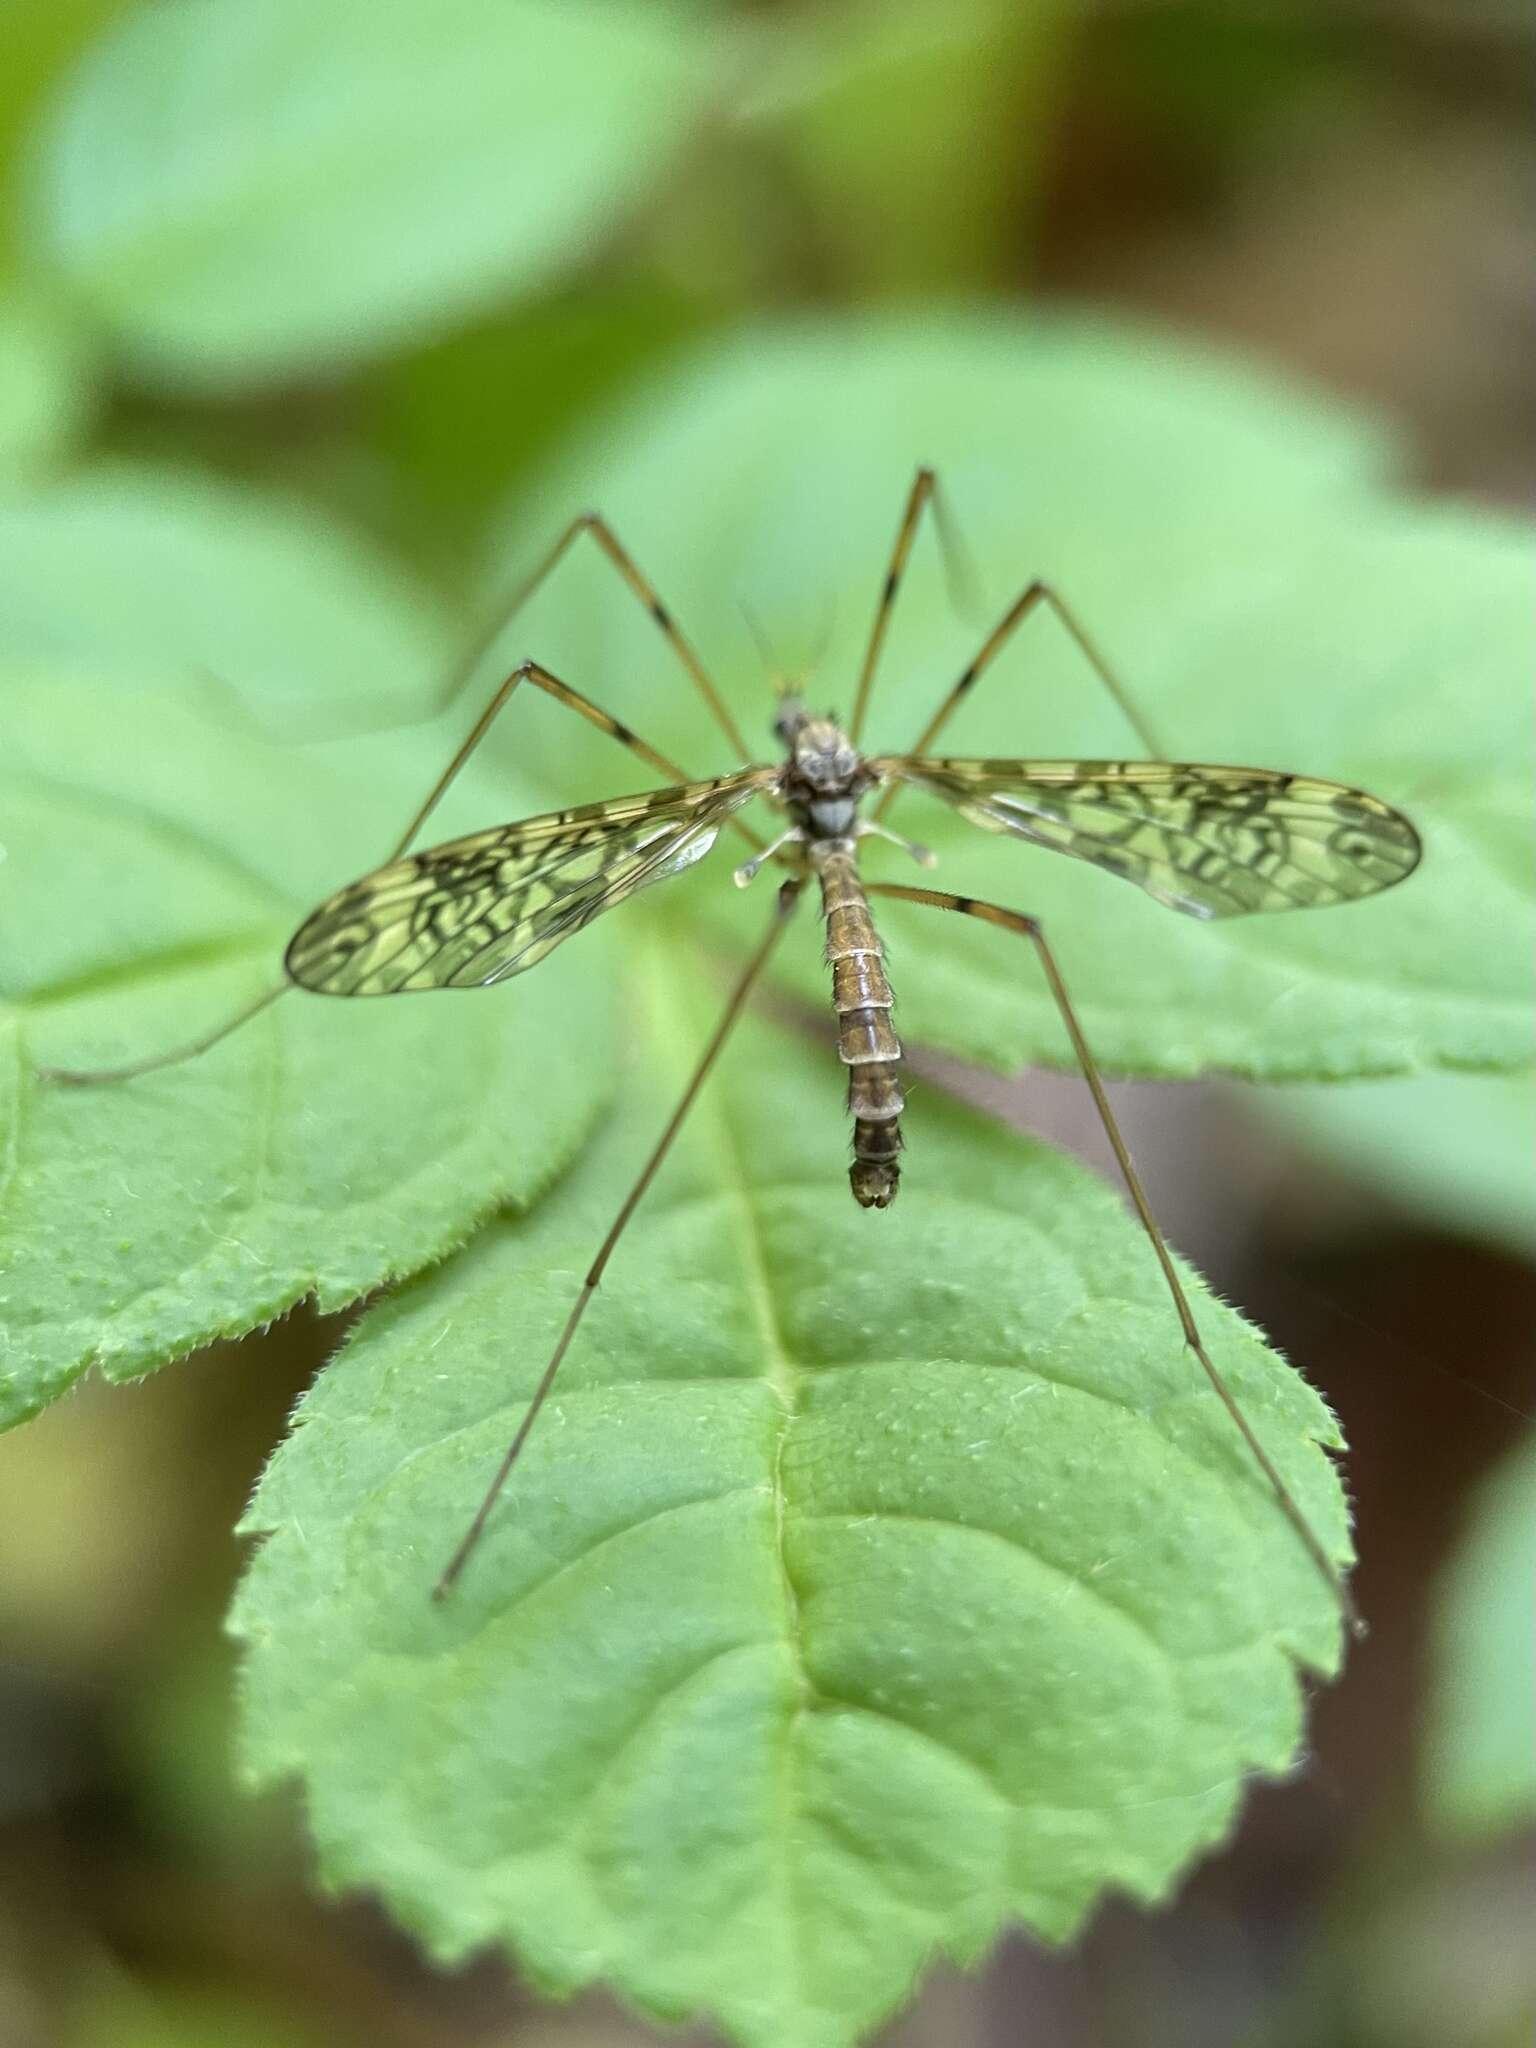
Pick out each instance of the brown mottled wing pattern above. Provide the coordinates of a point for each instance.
(479, 909)
(1212, 841)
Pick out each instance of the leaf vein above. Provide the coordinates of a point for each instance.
(784, 1378)
(1019, 1548)
(586, 1815)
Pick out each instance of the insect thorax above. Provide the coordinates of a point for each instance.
(824, 777)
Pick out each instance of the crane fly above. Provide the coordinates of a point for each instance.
(1210, 841)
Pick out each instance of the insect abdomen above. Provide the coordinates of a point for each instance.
(866, 1040)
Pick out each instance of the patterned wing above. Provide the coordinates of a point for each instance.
(1215, 842)
(477, 910)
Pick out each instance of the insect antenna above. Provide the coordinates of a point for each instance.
(784, 681)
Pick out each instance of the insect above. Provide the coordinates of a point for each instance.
(1210, 841)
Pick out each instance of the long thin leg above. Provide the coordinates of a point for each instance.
(1029, 928)
(924, 491)
(1029, 600)
(528, 671)
(85, 1077)
(789, 894)
(533, 672)
(628, 568)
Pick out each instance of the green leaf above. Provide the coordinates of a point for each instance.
(249, 190)
(1455, 1149)
(157, 862)
(47, 389)
(152, 574)
(1233, 548)
(873, 1579)
(1479, 1769)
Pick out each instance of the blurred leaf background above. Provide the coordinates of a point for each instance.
(299, 306)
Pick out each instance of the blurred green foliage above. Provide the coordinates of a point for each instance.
(1454, 1148)
(316, 324)
(273, 613)
(1479, 1763)
(238, 195)
(46, 387)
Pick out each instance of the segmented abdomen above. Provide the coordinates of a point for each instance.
(866, 1040)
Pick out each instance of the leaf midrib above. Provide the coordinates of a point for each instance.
(784, 1379)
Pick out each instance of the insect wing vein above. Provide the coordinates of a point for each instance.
(1211, 841)
(480, 909)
